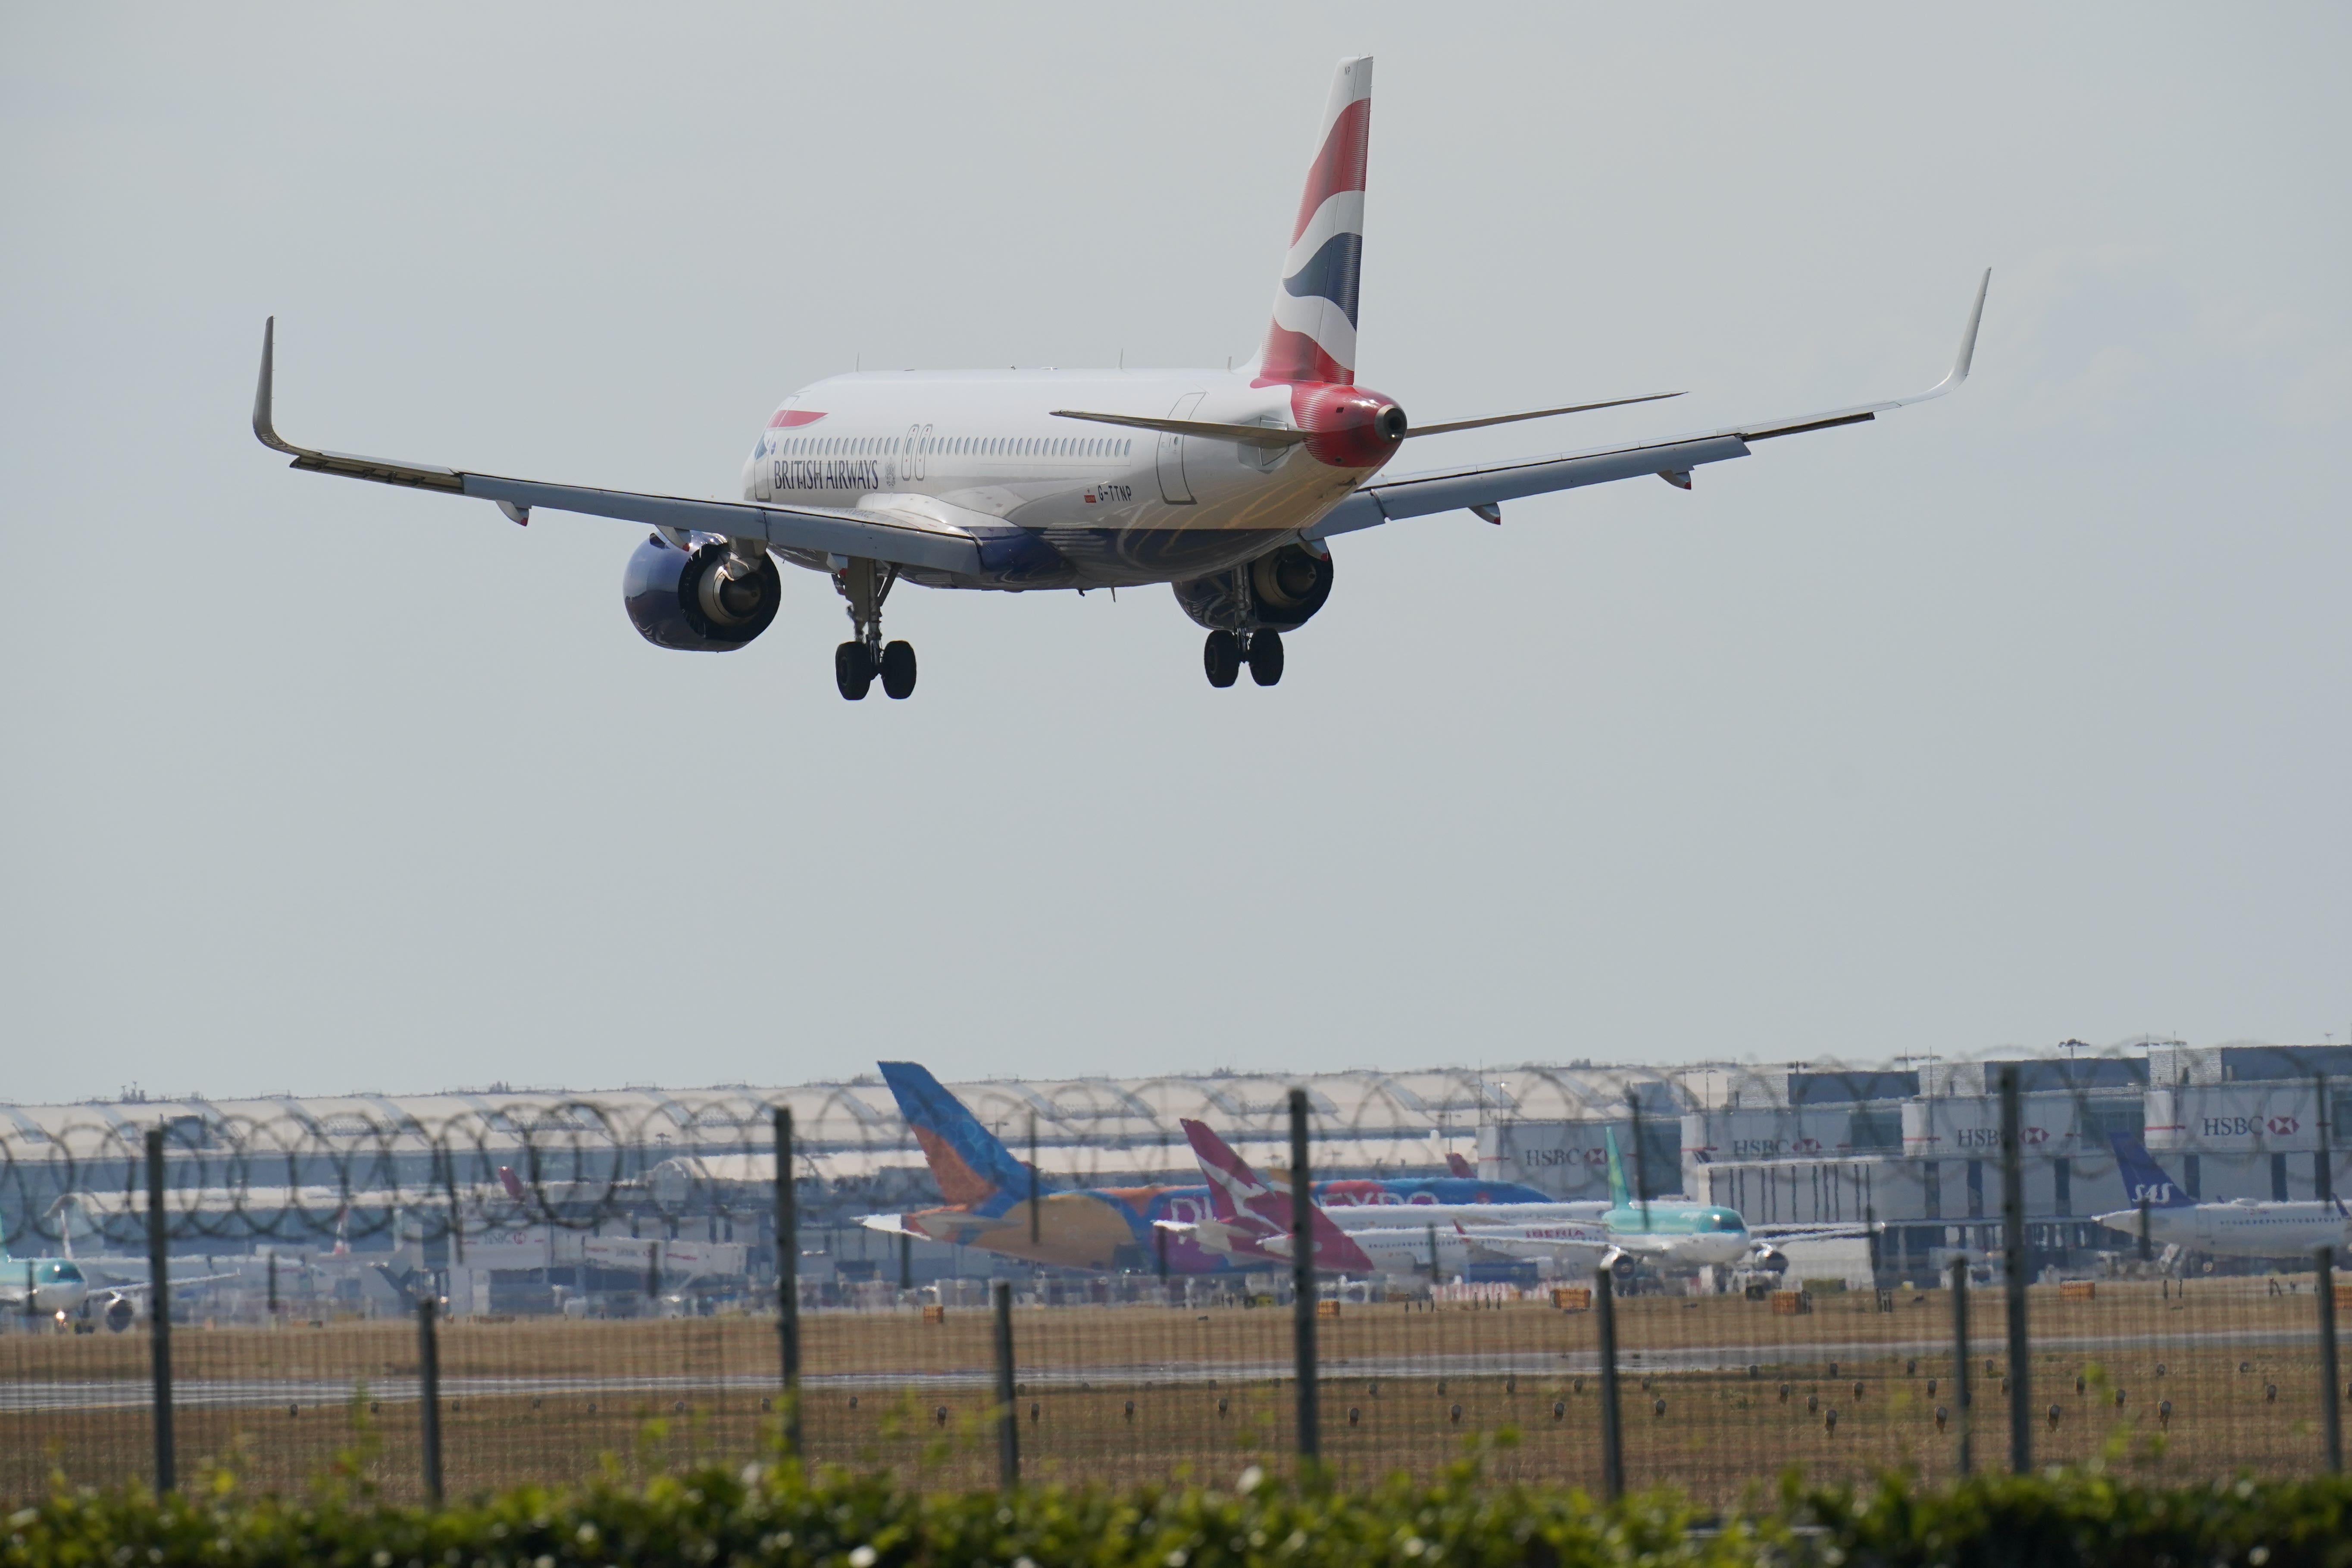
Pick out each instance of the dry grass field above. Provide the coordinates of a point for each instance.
(1719, 1395)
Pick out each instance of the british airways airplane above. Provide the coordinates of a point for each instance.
(1228, 485)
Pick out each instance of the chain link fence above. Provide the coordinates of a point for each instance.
(1602, 1277)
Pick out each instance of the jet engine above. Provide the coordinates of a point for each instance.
(121, 1313)
(1280, 591)
(686, 599)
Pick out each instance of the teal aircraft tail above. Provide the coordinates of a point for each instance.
(1618, 1197)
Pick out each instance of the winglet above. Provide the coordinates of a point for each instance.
(1959, 370)
(263, 427)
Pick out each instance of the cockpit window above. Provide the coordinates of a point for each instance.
(58, 1273)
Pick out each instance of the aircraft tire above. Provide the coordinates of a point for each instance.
(898, 670)
(853, 670)
(1265, 657)
(1220, 656)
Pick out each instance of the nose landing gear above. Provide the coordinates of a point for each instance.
(865, 583)
(1225, 652)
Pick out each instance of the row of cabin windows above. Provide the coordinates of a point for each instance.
(961, 446)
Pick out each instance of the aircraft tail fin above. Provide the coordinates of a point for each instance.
(969, 1162)
(1235, 1191)
(1459, 1166)
(2143, 1177)
(1313, 336)
(1618, 1195)
(1234, 1187)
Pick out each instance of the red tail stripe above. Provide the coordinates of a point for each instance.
(1294, 356)
(1340, 166)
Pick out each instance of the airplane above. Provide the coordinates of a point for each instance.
(1251, 1219)
(59, 1290)
(2242, 1227)
(987, 1192)
(1227, 484)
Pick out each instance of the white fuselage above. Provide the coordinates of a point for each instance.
(2245, 1228)
(42, 1287)
(982, 452)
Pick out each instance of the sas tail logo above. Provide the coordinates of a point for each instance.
(1313, 337)
(2143, 1179)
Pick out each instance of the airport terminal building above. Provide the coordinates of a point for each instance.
(555, 1191)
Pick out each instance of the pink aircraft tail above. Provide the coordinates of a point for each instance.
(1458, 1166)
(1313, 337)
(1234, 1187)
(510, 1182)
(1235, 1190)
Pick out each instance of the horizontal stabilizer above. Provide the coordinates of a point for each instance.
(1254, 434)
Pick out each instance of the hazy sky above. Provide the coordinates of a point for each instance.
(2021, 715)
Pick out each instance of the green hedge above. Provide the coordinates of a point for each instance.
(759, 1516)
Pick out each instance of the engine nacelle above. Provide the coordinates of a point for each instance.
(682, 599)
(121, 1314)
(1280, 591)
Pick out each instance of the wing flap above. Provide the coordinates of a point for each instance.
(877, 536)
(1416, 495)
(895, 537)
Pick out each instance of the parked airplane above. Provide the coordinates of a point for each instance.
(1227, 484)
(1250, 1220)
(1098, 1228)
(58, 1288)
(2242, 1227)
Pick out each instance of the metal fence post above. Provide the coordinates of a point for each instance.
(1435, 1278)
(1960, 1358)
(1008, 1419)
(1036, 1219)
(2331, 1392)
(1302, 1275)
(788, 1281)
(159, 1312)
(1612, 1439)
(2013, 1222)
(428, 1393)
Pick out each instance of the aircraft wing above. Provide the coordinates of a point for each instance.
(895, 537)
(1779, 1233)
(1487, 485)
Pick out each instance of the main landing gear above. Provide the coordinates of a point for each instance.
(1225, 652)
(856, 663)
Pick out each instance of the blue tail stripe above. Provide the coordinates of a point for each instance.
(925, 1102)
(1334, 272)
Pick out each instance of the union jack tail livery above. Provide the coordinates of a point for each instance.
(1313, 337)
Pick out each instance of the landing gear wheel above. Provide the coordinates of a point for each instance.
(853, 670)
(1221, 656)
(898, 670)
(1265, 657)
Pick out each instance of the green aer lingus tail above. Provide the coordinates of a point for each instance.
(1674, 1232)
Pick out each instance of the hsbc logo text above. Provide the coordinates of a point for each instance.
(2245, 1126)
(1990, 1137)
